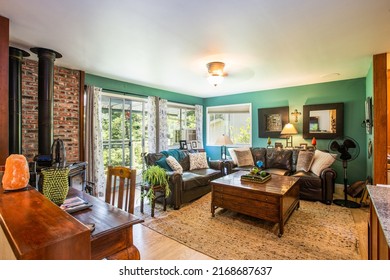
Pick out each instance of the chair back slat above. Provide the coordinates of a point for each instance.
(120, 188)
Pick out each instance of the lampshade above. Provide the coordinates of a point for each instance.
(216, 72)
(223, 140)
(289, 129)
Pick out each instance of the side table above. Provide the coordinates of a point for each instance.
(155, 189)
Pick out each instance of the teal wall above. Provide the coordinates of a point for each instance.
(133, 89)
(351, 92)
(370, 93)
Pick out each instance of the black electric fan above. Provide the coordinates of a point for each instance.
(347, 150)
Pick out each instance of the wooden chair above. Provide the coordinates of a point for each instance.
(120, 187)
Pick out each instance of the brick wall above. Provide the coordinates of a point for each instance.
(65, 111)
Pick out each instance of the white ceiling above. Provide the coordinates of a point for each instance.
(166, 44)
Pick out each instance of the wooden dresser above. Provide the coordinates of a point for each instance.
(379, 223)
(32, 227)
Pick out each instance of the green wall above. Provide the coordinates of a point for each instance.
(351, 92)
(138, 90)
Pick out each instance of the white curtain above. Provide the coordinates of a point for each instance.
(163, 124)
(94, 140)
(152, 136)
(157, 129)
(199, 123)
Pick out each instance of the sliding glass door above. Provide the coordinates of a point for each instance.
(124, 126)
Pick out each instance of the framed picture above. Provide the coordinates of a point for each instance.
(278, 145)
(272, 121)
(194, 144)
(183, 144)
(303, 146)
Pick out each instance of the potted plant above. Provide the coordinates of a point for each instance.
(155, 176)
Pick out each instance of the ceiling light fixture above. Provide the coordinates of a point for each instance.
(216, 73)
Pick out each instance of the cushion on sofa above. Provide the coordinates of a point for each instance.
(200, 177)
(198, 161)
(177, 154)
(281, 159)
(321, 161)
(305, 160)
(244, 158)
(174, 164)
(232, 152)
(162, 162)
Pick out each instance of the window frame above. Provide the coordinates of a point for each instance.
(180, 106)
(230, 108)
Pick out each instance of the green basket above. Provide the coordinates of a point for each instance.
(55, 184)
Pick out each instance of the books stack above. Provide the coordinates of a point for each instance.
(255, 178)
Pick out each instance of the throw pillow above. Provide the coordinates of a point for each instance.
(198, 161)
(244, 158)
(305, 160)
(321, 161)
(162, 162)
(174, 164)
(232, 152)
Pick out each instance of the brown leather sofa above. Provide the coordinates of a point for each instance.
(190, 185)
(283, 162)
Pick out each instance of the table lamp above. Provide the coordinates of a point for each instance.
(287, 132)
(223, 141)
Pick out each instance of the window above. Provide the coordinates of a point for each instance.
(124, 122)
(231, 120)
(181, 124)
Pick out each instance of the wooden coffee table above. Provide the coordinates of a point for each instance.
(274, 200)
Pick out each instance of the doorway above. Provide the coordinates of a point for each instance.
(124, 122)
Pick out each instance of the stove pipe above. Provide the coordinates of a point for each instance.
(15, 99)
(45, 98)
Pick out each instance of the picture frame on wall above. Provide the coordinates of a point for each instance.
(271, 121)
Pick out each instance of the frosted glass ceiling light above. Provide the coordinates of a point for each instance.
(216, 73)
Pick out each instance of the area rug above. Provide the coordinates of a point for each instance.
(314, 232)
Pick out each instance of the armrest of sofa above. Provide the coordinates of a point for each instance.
(328, 177)
(216, 164)
(175, 182)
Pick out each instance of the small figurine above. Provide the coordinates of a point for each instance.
(314, 142)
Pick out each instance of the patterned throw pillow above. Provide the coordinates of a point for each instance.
(305, 160)
(174, 164)
(321, 161)
(232, 152)
(198, 161)
(244, 158)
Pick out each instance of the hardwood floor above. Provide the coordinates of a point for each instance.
(155, 246)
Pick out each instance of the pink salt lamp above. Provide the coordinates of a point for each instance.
(16, 173)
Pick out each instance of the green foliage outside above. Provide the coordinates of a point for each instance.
(241, 135)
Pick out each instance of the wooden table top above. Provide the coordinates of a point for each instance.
(277, 185)
(106, 217)
(31, 222)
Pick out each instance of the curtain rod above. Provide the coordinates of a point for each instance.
(123, 93)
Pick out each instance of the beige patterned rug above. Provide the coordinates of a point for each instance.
(315, 231)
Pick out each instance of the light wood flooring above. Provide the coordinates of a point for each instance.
(155, 246)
